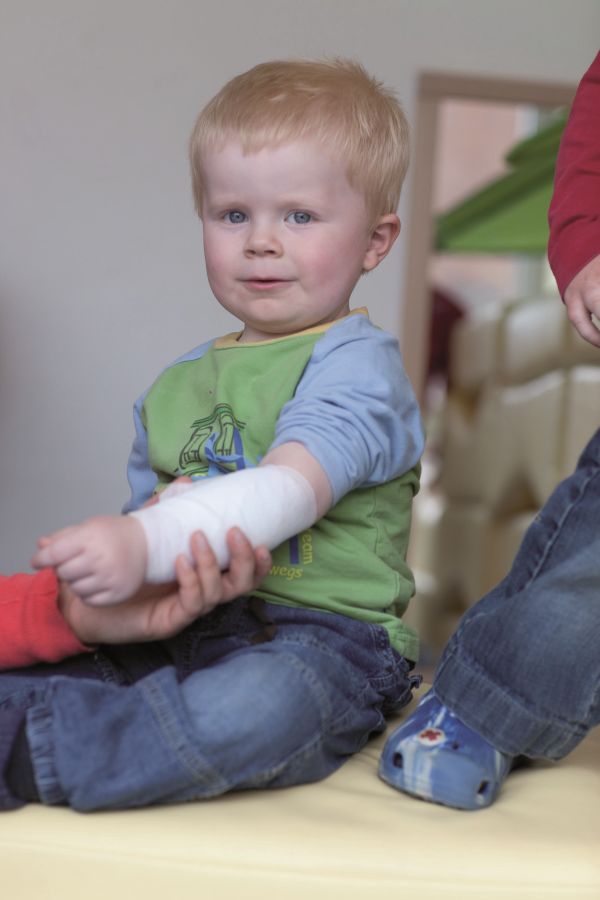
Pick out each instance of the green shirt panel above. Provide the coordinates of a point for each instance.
(353, 561)
(224, 406)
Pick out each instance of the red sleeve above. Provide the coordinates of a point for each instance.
(574, 214)
(32, 628)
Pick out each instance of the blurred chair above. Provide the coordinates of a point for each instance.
(523, 400)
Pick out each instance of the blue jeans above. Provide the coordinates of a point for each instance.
(523, 668)
(253, 695)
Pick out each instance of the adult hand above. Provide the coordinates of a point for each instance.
(158, 612)
(582, 299)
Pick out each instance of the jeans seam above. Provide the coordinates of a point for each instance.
(306, 750)
(176, 738)
(381, 682)
(497, 683)
(558, 528)
(39, 737)
(109, 672)
(313, 681)
(550, 542)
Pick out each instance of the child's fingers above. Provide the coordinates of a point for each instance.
(76, 568)
(84, 585)
(44, 557)
(56, 549)
(99, 597)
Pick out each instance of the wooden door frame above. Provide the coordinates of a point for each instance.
(432, 89)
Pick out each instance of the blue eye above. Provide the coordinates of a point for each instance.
(235, 217)
(300, 218)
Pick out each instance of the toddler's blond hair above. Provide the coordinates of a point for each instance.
(334, 102)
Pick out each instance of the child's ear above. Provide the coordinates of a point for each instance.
(383, 235)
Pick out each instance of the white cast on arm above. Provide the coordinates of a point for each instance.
(269, 503)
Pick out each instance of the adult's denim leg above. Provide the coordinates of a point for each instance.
(523, 668)
(270, 714)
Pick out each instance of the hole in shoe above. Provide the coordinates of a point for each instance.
(398, 760)
(482, 790)
(455, 745)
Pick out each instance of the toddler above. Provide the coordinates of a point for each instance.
(302, 430)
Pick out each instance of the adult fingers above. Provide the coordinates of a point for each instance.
(580, 316)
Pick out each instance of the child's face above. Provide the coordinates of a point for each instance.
(286, 236)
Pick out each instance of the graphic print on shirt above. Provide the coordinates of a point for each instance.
(215, 445)
(298, 554)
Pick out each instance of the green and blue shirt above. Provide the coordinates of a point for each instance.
(340, 390)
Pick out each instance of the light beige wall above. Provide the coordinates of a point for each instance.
(101, 279)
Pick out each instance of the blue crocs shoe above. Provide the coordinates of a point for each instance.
(435, 757)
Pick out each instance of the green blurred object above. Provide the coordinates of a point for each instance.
(508, 215)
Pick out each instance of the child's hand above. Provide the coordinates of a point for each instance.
(158, 612)
(103, 559)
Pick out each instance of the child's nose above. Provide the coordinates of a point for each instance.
(263, 241)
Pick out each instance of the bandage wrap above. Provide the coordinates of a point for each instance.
(268, 503)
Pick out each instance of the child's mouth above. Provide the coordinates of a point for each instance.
(265, 283)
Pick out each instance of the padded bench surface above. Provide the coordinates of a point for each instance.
(348, 837)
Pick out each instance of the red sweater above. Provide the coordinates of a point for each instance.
(32, 629)
(574, 214)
